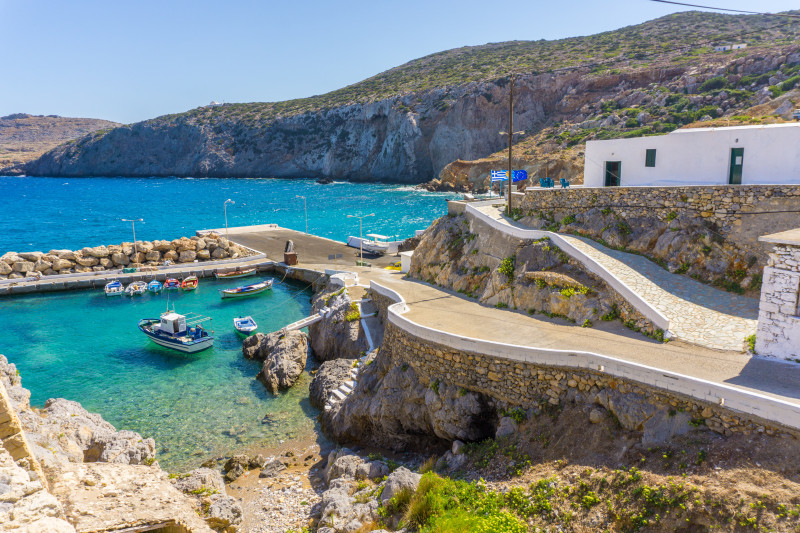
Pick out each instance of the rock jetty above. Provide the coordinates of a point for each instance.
(211, 247)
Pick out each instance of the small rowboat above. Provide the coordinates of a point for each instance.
(190, 283)
(238, 273)
(184, 333)
(154, 286)
(247, 290)
(172, 284)
(137, 287)
(245, 325)
(114, 288)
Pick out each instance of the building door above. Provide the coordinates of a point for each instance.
(737, 159)
(613, 171)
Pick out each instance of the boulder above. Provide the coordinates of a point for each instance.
(224, 513)
(98, 252)
(342, 463)
(219, 253)
(5, 268)
(87, 261)
(203, 255)
(272, 468)
(10, 258)
(506, 429)
(162, 246)
(69, 255)
(187, 256)
(399, 480)
(106, 263)
(285, 360)
(138, 257)
(40, 266)
(170, 255)
(234, 473)
(120, 259)
(144, 246)
(31, 256)
(153, 256)
(22, 267)
(198, 479)
(62, 264)
(328, 378)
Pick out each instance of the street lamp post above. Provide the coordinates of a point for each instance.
(305, 208)
(360, 231)
(133, 222)
(510, 137)
(225, 207)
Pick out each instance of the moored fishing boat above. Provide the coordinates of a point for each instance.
(137, 287)
(114, 288)
(172, 284)
(245, 325)
(154, 286)
(246, 290)
(376, 245)
(190, 283)
(238, 273)
(184, 333)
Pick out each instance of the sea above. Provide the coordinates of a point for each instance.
(84, 346)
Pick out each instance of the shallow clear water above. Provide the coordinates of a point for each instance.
(41, 214)
(85, 346)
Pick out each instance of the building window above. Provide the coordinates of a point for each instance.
(650, 157)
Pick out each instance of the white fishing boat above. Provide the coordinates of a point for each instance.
(247, 290)
(376, 244)
(137, 287)
(237, 273)
(184, 333)
(114, 288)
(245, 325)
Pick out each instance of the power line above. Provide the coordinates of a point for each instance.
(727, 9)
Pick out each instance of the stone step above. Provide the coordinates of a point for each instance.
(345, 389)
(328, 407)
(338, 395)
(351, 384)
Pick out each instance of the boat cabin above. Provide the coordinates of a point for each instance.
(172, 323)
(377, 238)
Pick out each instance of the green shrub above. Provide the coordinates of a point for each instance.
(507, 267)
(569, 219)
(717, 82)
(751, 342)
(354, 313)
(789, 84)
(631, 123)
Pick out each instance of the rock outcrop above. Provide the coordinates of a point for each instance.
(16, 265)
(284, 356)
(394, 407)
(337, 336)
(330, 375)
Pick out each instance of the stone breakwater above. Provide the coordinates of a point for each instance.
(210, 247)
(708, 232)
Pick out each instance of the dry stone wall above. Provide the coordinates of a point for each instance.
(778, 332)
(708, 232)
(653, 411)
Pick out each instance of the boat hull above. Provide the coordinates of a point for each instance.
(232, 293)
(232, 275)
(245, 326)
(174, 343)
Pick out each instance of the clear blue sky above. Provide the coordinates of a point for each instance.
(132, 60)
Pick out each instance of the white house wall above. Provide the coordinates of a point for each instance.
(700, 157)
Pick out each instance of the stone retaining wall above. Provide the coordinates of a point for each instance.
(778, 332)
(526, 384)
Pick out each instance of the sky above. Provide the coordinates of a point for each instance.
(128, 61)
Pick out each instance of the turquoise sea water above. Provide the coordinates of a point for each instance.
(41, 214)
(86, 347)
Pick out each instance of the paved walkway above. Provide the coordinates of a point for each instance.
(697, 313)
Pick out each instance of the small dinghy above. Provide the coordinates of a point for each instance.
(154, 286)
(137, 287)
(172, 284)
(184, 333)
(238, 273)
(247, 290)
(190, 283)
(114, 288)
(244, 325)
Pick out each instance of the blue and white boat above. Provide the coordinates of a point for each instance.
(114, 288)
(247, 290)
(245, 325)
(154, 286)
(184, 333)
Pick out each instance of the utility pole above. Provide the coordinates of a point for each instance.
(510, 138)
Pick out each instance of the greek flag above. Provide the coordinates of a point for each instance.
(499, 175)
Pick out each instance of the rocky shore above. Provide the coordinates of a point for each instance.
(210, 247)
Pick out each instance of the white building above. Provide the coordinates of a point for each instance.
(726, 47)
(748, 155)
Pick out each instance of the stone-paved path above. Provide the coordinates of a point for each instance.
(697, 313)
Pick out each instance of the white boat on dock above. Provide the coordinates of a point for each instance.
(114, 288)
(376, 244)
(184, 333)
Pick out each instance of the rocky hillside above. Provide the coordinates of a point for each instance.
(25, 137)
(409, 123)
